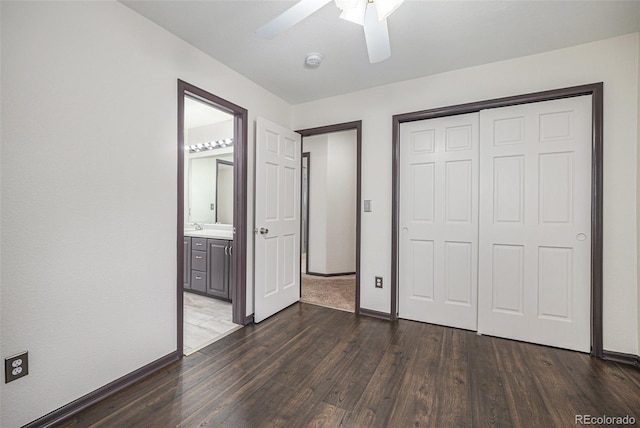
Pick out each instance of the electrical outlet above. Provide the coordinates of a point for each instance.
(378, 282)
(16, 367)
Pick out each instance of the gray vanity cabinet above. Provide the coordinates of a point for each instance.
(219, 264)
(186, 271)
(207, 266)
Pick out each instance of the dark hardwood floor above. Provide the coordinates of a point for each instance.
(313, 366)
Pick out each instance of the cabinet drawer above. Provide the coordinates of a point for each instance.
(199, 244)
(199, 260)
(199, 281)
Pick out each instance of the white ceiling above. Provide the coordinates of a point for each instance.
(427, 37)
(198, 114)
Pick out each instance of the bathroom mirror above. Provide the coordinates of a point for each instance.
(224, 191)
(208, 163)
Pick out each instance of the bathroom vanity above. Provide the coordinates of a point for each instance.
(208, 264)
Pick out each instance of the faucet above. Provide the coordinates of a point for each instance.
(198, 226)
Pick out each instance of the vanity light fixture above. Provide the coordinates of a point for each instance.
(209, 145)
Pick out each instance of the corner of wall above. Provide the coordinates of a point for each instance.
(638, 195)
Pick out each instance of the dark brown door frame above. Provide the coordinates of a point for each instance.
(595, 90)
(347, 126)
(307, 155)
(239, 256)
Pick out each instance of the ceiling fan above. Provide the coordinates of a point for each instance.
(370, 14)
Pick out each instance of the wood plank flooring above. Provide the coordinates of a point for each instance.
(314, 366)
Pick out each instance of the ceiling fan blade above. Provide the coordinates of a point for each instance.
(376, 34)
(290, 17)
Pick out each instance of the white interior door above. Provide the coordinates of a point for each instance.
(277, 218)
(535, 223)
(438, 251)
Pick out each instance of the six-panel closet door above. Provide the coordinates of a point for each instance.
(535, 223)
(495, 218)
(438, 250)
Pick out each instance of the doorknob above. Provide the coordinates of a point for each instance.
(263, 231)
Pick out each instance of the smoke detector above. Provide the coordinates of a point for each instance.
(313, 59)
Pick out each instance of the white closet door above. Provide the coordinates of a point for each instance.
(534, 254)
(438, 221)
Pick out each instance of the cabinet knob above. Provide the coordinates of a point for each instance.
(198, 257)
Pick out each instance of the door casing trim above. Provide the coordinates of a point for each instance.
(596, 92)
(239, 255)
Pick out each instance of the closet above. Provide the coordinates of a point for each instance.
(495, 222)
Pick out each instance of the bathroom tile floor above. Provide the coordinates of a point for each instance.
(205, 321)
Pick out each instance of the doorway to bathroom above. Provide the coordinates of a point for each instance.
(330, 213)
(211, 290)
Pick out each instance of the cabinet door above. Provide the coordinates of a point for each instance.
(230, 276)
(186, 268)
(218, 267)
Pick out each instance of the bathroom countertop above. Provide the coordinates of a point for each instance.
(209, 233)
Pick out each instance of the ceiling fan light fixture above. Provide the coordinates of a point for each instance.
(370, 14)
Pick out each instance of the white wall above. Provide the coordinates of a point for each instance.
(638, 202)
(613, 61)
(1, 217)
(341, 206)
(88, 230)
(317, 148)
(212, 132)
